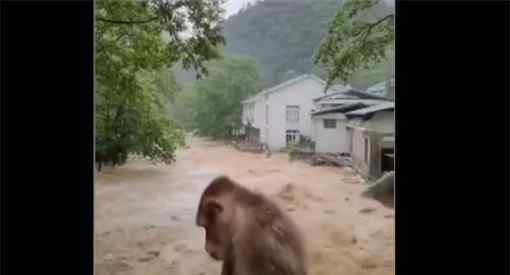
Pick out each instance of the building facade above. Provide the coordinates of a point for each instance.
(330, 122)
(282, 113)
(372, 132)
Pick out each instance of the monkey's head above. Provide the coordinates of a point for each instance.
(215, 214)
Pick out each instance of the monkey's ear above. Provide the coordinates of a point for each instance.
(214, 207)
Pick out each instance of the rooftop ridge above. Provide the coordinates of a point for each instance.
(285, 84)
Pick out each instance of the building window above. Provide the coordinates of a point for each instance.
(292, 114)
(292, 137)
(330, 123)
(366, 150)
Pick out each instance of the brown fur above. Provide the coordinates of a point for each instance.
(249, 232)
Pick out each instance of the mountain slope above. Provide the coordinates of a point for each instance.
(282, 36)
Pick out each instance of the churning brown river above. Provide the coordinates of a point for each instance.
(144, 213)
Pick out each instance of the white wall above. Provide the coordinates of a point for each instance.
(259, 118)
(302, 94)
(383, 122)
(358, 150)
(331, 140)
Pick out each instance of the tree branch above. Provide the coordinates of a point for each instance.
(391, 15)
(127, 22)
(370, 26)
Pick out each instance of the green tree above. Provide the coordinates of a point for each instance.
(166, 84)
(181, 109)
(357, 38)
(132, 82)
(284, 42)
(214, 104)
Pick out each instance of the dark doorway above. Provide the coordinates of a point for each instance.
(387, 160)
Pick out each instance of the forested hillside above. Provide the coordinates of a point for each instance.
(282, 35)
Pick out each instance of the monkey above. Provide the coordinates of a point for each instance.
(249, 232)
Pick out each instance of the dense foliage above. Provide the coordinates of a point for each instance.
(133, 83)
(280, 35)
(283, 35)
(213, 106)
(356, 38)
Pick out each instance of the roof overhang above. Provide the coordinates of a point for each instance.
(340, 109)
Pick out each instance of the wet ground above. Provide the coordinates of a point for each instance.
(144, 213)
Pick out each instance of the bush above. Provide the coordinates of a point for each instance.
(292, 151)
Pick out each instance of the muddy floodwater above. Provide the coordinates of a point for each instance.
(144, 213)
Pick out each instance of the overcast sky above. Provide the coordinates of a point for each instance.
(233, 6)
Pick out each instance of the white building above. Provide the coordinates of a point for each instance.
(283, 113)
(330, 122)
(372, 132)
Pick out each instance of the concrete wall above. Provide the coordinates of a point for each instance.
(301, 94)
(331, 140)
(258, 116)
(380, 125)
(383, 122)
(358, 151)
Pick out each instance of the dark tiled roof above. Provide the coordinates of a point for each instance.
(372, 109)
(340, 109)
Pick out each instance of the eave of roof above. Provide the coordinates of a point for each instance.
(285, 84)
(371, 109)
(367, 102)
(325, 97)
(351, 93)
(340, 109)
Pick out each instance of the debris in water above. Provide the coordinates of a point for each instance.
(352, 180)
(108, 257)
(382, 189)
(354, 240)
(153, 253)
(329, 211)
(368, 265)
(180, 247)
(367, 210)
(145, 259)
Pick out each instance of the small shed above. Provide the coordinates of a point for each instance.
(330, 128)
(371, 131)
(329, 120)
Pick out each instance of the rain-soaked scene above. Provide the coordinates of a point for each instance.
(291, 100)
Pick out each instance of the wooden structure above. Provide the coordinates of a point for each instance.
(372, 141)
